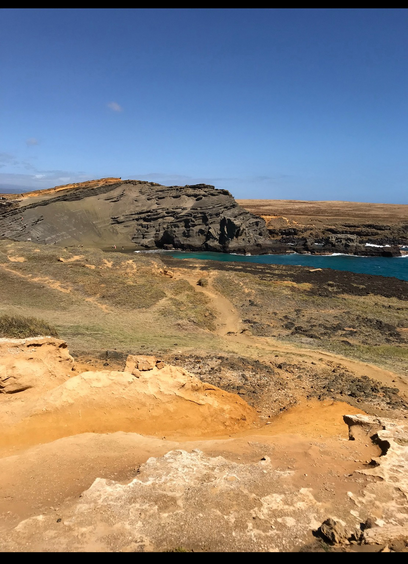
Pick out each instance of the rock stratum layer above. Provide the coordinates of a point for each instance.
(136, 214)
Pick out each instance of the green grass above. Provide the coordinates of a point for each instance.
(391, 356)
(20, 327)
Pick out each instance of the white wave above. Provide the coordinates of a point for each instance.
(152, 251)
(336, 255)
(378, 246)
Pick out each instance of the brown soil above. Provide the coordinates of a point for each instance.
(328, 227)
(308, 212)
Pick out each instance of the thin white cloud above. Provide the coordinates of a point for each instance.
(6, 159)
(114, 106)
(32, 141)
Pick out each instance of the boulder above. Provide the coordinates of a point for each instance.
(393, 535)
(333, 532)
(136, 363)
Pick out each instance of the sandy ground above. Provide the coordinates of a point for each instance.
(309, 441)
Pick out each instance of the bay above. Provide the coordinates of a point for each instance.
(381, 266)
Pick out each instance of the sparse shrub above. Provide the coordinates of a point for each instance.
(20, 327)
(203, 282)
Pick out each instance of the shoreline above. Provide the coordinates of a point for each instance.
(128, 249)
(344, 280)
(340, 262)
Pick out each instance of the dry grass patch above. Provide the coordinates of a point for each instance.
(20, 327)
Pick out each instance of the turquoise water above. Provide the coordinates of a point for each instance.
(382, 266)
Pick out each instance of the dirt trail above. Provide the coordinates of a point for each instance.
(229, 323)
(228, 319)
(54, 284)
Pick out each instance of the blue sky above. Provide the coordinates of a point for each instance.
(267, 103)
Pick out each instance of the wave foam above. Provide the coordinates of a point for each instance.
(378, 246)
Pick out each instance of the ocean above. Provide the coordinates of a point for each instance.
(382, 266)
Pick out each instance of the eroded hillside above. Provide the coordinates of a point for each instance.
(133, 214)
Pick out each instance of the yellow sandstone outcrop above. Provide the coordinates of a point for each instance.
(157, 399)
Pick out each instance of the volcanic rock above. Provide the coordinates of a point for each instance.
(140, 362)
(144, 215)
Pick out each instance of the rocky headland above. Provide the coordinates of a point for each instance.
(139, 215)
(134, 214)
